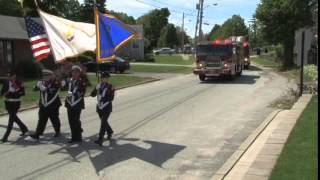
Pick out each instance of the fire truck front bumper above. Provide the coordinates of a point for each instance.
(212, 72)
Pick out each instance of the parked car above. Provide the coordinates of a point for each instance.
(118, 65)
(164, 51)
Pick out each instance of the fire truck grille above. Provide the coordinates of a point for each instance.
(213, 64)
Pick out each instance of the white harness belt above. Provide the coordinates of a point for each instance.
(72, 102)
(100, 104)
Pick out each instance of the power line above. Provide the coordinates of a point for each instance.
(171, 9)
(163, 3)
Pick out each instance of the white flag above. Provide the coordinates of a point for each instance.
(68, 38)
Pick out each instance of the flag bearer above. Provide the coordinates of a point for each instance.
(12, 90)
(76, 87)
(105, 95)
(49, 103)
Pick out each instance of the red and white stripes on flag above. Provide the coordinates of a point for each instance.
(40, 44)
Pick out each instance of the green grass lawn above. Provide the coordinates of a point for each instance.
(161, 69)
(299, 158)
(174, 59)
(265, 62)
(32, 97)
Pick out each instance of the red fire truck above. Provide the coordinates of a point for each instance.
(220, 58)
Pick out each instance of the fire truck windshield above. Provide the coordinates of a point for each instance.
(214, 50)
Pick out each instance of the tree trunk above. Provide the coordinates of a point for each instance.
(288, 51)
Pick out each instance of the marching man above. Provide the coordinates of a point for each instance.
(49, 104)
(12, 90)
(76, 87)
(105, 95)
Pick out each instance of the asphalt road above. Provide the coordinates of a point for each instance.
(176, 128)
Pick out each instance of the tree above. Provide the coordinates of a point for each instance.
(10, 8)
(213, 33)
(280, 19)
(153, 22)
(185, 35)
(69, 9)
(168, 37)
(123, 17)
(235, 26)
(87, 9)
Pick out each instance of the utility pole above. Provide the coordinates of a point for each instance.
(201, 18)
(182, 38)
(302, 63)
(196, 32)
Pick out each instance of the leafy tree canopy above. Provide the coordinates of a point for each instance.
(280, 19)
(10, 8)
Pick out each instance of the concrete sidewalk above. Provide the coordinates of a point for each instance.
(256, 158)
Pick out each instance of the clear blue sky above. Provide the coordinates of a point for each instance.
(212, 14)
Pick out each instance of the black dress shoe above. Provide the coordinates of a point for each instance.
(109, 136)
(3, 141)
(34, 137)
(57, 135)
(75, 141)
(24, 133)
(98, 142)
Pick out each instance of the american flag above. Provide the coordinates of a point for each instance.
(39, 40)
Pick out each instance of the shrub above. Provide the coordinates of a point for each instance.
(310, 73)
(28, 69)
(279, 50)
(149, 58)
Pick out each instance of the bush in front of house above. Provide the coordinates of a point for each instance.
(310, 73)
(28, 69)
(149, 58)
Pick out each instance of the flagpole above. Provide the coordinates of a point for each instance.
(95, 22)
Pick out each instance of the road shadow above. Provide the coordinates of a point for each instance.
(113, 151)
(244, 79)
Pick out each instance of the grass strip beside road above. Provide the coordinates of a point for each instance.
(265, 62)
(299, 158)
(161, 69)
(174, 59)
(292, 73)
(32, 98)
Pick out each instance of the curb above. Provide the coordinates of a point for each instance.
(119, 88)
(235, 157)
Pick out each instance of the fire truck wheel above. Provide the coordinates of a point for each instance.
(231, 77)
(202, 77)
(239, 73)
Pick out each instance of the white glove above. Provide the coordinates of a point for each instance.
(12, 89)
(63, 83)
(39, 83)
(69, 94)
(41, 86)
(98, 86)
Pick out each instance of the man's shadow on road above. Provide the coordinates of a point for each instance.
(113, 151)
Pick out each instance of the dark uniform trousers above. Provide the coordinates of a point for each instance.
(75, 123)
(12, 108)
(105, 126)
(44, 115)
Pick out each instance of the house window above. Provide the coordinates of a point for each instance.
(135, 45)
(2, 54)
(5, 54)
(9, 52)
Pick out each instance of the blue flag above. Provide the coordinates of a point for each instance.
(111, 35)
